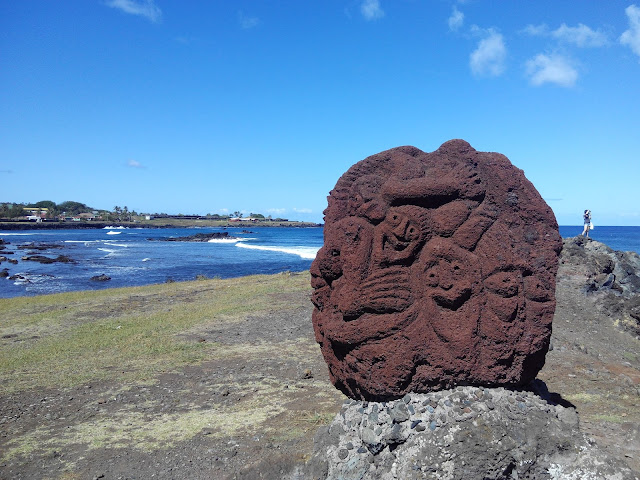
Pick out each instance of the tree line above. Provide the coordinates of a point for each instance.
(52, 210)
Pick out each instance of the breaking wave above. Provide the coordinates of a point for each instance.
(308, 253)
(227, 240)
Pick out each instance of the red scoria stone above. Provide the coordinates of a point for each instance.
(438, 269)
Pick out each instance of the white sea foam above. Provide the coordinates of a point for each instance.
(108, 250)
(86, 243)
(146, 259)
(15, 234)
(115, 244)
(30, 278)
(111, 232)
(227, 240)
(308, 253)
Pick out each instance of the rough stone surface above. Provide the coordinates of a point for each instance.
(613, 278)
(438, 269)
(472, 433)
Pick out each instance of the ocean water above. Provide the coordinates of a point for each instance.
(626, 239)
(130, 258)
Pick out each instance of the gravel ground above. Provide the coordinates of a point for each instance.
(252, 412)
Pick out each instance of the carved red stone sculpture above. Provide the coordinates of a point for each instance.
(438, 269)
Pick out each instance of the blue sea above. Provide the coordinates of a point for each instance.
(130, 258)
(626, 239)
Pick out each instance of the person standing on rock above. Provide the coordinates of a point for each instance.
(587, 223)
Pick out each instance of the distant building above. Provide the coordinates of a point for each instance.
(35, 213)
(245, 219)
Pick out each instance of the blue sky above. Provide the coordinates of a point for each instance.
(260, 106)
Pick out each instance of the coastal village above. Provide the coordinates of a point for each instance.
(75, 212)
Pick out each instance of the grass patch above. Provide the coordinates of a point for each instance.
(131, 334)
(136, 430)
(583, 397)
(608, 418)
(131, 428)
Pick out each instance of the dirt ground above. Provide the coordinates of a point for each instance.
(251, 411)
(595, 365)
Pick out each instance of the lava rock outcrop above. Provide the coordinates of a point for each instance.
(438, 269)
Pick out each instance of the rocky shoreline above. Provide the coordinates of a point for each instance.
(613, 278)
(198, 237)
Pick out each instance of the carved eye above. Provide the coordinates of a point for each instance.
(432, 278)
(412, 232)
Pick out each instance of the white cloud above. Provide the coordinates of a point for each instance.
(371, 9)
(277, 211)
(144, 8)
(489, 58)
(582, 36)
(631, 37)
(456, 19)
(536, 30)
(134, 164)
(302, 210)
(551, 69)
(247, 22)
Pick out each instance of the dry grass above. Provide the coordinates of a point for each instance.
(66, 339)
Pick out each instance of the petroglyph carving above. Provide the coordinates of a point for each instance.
(437, 269)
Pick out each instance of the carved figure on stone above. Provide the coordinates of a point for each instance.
(438, 269)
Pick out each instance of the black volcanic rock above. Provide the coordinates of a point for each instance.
(43, 259)
(199, 237)
(612, 278)
(39, 246)
(100, 278)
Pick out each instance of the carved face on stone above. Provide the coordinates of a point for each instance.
(434, 272)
